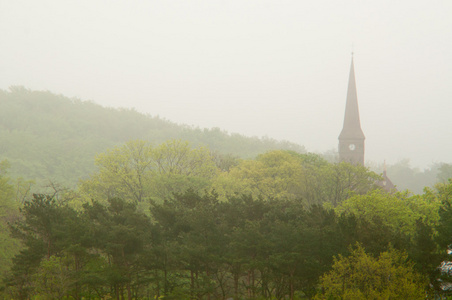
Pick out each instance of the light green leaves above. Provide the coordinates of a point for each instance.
(138, 172)
(361, 276)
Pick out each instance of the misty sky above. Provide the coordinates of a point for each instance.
(259, 68)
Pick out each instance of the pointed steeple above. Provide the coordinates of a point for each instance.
(352, 125)
(351, 139)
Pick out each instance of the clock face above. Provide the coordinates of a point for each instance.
(352, 147)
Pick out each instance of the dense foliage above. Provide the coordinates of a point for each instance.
(196, 247)
(140, 172)
(361, 276)
(8, 213)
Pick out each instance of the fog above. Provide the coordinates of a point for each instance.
(259, 68)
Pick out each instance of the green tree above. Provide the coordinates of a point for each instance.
(426, 254)
(51, 233)
(122, 234)
(248, 245)
(361, 276)
(124, 172)
(9, 246)
(139, 172)
(344, 180)
(180, 167)
(275, 174)
(398, 211)
(53, 279)
(332, 183)
(44, 231)
(191, 241)
(289, 175)
(443, 193)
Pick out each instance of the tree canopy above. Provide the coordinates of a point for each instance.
(361, 276)
(139, 172)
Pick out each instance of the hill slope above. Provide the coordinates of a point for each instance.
(48, 137)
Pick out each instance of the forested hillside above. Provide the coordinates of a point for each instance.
(48, 137)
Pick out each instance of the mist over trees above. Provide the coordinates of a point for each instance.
(136, 207)
(52, 139)
(48, 137)
(414, 179)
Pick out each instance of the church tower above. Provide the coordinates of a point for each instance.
(351, 139)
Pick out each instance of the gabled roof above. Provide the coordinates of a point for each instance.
(386, 183)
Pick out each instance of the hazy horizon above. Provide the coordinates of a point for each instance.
(258, 68)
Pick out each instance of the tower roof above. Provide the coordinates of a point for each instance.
(352, 125)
